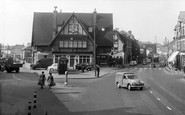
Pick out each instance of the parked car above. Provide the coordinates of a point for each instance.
(129, 80)
(84, 66)
(53, 68)
(42, 63)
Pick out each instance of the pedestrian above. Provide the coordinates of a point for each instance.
(98, 70)
(50, 81)
(42, 79)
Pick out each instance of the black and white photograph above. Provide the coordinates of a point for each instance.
(92, 57)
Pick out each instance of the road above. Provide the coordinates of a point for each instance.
(163, 95)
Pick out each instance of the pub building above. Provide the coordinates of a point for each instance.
(72, 35)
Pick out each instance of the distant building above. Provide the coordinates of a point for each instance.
(6, 51)
(148, 50)
(16, 51)
(27, 54)
(177, 46)
(125, 48)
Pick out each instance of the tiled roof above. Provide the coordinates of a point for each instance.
(43, 26)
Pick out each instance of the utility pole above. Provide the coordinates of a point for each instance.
(94, 29)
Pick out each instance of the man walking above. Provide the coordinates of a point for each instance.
(98, 70)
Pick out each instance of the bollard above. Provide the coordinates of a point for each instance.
(66, 80)
(34, 99)
(29, 108)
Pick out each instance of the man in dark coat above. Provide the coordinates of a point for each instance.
(42, 79)
(98, 70)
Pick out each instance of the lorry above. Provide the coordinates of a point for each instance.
(9, 64)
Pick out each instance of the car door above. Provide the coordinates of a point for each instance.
(124, 81)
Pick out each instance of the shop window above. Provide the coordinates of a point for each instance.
(84, 59)
(84, 44)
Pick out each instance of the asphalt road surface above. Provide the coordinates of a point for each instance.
(163, 95)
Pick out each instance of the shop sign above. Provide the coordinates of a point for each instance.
(74, 50)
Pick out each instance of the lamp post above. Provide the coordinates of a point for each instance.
(94, 32)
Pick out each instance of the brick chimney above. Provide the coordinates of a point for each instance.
(54, 22)
(130, 32)
(94, 17)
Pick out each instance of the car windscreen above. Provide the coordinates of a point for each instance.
(132, 77)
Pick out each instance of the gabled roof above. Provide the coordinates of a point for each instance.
(43, 26)
(64, 24)
(123, 35)
(27, 48)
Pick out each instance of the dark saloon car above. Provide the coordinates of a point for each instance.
(42, 63)
(84, 66)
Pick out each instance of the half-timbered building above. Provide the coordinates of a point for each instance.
(72, 35)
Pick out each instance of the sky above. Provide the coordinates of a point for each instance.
(149, 20)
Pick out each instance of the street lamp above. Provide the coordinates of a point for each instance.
(94, 29)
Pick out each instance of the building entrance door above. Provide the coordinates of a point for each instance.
(72, 57)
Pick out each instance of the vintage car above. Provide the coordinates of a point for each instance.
(128, 80)
(53, 68)
(84, 66)
(42, 63)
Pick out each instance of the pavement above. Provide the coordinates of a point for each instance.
(55, 95)
(60, 89)
(73, 74)
(173, 71)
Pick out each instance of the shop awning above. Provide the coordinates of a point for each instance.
(182, 53)
(173, 56)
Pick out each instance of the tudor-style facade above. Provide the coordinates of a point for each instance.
(71, 35)
(73, 42)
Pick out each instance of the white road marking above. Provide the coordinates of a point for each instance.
(158, 99)
(151, 92)
(169, 108)
(22, 79)
(15, 77)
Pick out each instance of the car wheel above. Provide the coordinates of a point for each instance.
(129, 87)
(141, 88)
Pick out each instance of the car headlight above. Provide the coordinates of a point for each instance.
(133, 83)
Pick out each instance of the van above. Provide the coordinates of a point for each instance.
(42, 63)
(128, 80)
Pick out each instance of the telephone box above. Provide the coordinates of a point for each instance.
(62, 65)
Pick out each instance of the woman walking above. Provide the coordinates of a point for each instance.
(50, 81)
(42, 80)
